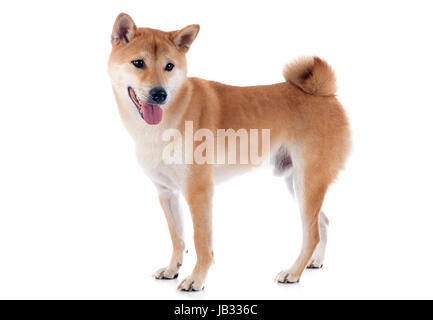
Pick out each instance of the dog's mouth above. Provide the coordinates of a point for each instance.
(151, 113)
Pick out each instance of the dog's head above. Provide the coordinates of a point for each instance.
(149, 65)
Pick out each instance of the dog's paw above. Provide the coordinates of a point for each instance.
(166, 274)
(315, 263)
(286, 276)
(191, 284)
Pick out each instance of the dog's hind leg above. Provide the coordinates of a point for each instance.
(316, 261)
(310, 187)
(169, 200)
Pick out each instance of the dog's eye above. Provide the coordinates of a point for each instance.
(169, 67)
(138, 63)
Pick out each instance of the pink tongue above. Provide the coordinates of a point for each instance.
(152, 113)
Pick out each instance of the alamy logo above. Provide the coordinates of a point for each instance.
(229, 146)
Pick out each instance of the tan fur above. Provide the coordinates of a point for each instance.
(303, 114)
(312, 75)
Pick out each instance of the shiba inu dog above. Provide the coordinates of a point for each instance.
(309, 136)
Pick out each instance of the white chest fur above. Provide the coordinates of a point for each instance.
(149, 145)
(149, 150)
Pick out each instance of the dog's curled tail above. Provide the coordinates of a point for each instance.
(312, 75)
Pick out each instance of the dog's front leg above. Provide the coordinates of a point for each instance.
(169, 200)
(199, 198)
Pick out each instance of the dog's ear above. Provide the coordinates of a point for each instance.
(123, 30)
(183, 38)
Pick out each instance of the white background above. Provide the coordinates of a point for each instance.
(79, 219)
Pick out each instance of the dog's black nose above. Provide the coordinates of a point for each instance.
(158, 95)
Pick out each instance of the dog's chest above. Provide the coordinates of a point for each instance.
(149, 150)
